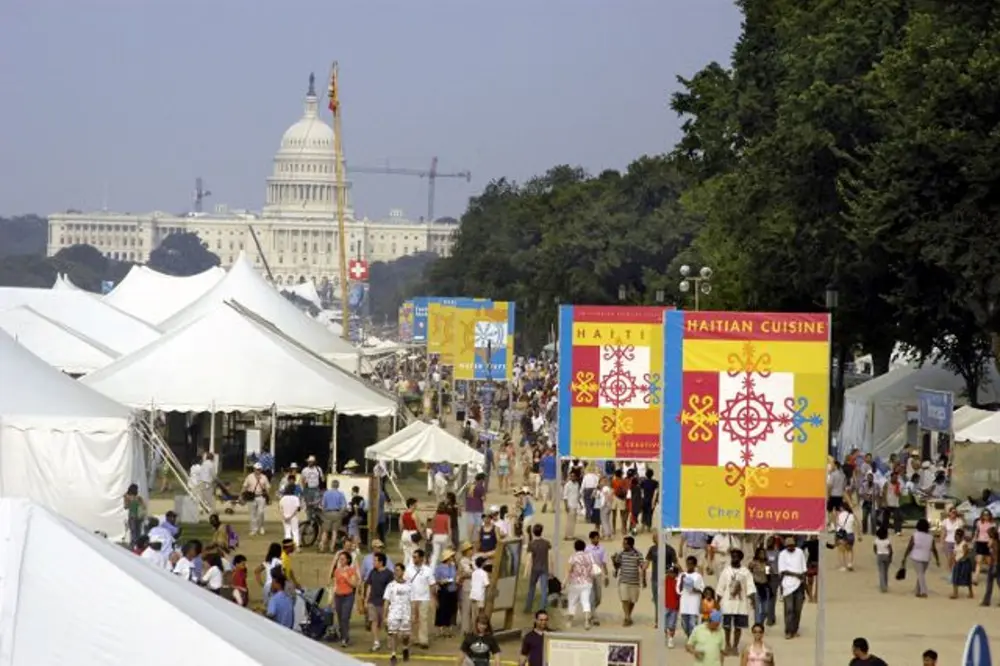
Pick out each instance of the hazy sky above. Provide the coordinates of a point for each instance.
(136, 98)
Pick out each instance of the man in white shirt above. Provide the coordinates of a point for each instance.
(588, 486)
(736, 591)
(792, 570)
(162, 535)
(254, 492)
(719, 549)
(312, 481)
(421, 580)
(289, 507)
(206, 480)
(478, 584)
(153, 552)
(184, 566)
(571, 499)
(690, 585)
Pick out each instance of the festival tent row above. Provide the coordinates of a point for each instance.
(230, 359)
(55, 343)
(245, 286)
(80, 311)
(63, 444)
(424, 442)
(873, 411)
(114, 608)
(154, 297)
(306, 291)
(63, 282)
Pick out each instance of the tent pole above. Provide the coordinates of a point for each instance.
(333, 443)
(211, 430)
(274, 425)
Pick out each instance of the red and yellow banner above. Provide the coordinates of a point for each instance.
(745, 421)
(610, 386)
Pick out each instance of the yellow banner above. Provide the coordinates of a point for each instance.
(441, 331)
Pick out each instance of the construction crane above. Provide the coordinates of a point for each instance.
(199, 194)
(431, 175)
(341, 193)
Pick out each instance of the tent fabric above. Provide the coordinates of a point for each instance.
(63, 282)
(56, 344)
(424, 442)
(227, 361)
(115, 609)
(877, 408)
(85, 314)
(64, 445)
(244, 285)
(306, 291)
(153, 296)
(984, 431)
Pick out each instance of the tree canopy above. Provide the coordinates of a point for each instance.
(182, 254)
(848, 145)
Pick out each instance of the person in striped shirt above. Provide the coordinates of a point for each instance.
(630, 569)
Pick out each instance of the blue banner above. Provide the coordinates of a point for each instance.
(935, 409)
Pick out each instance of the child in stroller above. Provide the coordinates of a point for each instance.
(315, 620)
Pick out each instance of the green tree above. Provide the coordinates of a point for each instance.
(392, 282)
(182, 254)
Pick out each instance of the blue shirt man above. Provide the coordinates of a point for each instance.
(334, 500)
(547, 465)
(266, 461)
(281, 609)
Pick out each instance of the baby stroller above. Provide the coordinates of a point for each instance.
(316, 621)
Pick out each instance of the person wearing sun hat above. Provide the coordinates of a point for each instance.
(350, 466)
(707, 641)
(446, 576)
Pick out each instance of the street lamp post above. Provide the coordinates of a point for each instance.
(700, 284)
(622, 293)
(832, 301)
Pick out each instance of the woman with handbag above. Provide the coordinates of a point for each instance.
(919, 551)
(846, 536)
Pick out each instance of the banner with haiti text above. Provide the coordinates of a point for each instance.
(745, 421)
(610, 387)
(485, 342)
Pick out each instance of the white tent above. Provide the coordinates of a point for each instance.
(64, 445)
(85, 314)
(228, 360)
(983, 431)
(111, 608)
(306, 291)
(56, 344)
(153, 296)
(245, 286)
(424, 442)
(877, 408)
(63, 282)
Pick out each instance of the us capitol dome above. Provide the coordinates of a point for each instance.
(297, 228)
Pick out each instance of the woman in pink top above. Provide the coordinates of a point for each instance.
(757, 653)
(982, 531)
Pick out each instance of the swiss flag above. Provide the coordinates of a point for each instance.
(357, 270)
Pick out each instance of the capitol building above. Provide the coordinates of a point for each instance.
(297, 229)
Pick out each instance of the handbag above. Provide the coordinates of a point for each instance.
(901, 573)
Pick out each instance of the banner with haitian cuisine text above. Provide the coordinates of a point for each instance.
(745, 421)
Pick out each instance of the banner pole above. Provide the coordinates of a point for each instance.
(661, 575)
(557, 535)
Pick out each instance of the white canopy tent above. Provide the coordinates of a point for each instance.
(424, 442)
(63, 282)
(877, 408)
(905, 434)
(114, 608)
(85, 314)
(64, 445)
(229, 360)
(56, 344)
(245, 286)
(153, 296)
(306, 291)
(985, 430)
